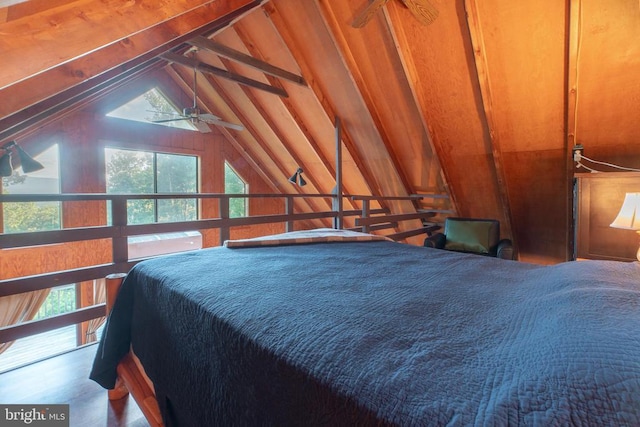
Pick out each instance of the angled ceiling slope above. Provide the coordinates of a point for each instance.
(289, 119)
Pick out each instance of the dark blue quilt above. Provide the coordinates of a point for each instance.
(379, 333)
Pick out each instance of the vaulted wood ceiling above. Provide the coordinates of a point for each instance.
(482, 107)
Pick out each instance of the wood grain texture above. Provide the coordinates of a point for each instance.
(55, 31)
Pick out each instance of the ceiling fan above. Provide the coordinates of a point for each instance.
(422, 10)
(194, 115)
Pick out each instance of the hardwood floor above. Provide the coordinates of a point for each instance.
(65, 379)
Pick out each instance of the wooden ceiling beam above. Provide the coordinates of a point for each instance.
(219, 72)
(289, 146)
(187, 88)
(295, 117)
(410, 71)
(352, 65)
(303, 205)
(249, 151)
(484, 79)
(330, 113)
(234, 55)
(69, 101)
(38, 92)
(313, 205)
(67, 32)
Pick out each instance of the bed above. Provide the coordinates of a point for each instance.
(344, 329)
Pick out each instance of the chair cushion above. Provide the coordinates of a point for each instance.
(471, 235)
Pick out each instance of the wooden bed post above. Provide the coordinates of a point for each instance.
(131, 376)
(113, 283)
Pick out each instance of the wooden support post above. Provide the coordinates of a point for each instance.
(289, 208)
(225, 232)
(337, 201)
(365, 214)
(120, 247)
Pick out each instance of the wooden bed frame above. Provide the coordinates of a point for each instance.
(132, 378)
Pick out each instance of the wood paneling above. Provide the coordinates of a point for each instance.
(82, 138)
(521, 68)
(483, 105)
(608, 74)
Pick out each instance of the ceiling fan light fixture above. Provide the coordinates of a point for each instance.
(194, 115)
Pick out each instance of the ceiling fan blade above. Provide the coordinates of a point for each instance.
(161, 112)
(423, 11)
(208, 116)
(219, 122)
(169, 120)
(366, 15)
(201, 126)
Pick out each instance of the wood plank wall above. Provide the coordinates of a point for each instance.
(82, 137)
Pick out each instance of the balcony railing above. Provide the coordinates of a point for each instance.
(367, 219)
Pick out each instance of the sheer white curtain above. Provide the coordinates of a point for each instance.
(99, 296)
(20, 308)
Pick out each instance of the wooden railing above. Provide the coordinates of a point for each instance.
(367, 220)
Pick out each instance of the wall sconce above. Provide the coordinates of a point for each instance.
(297, 178)
(629, 216)
(28, 163)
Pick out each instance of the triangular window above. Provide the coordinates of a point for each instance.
(152, 105)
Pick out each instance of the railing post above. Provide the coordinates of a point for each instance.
(337, 201)
(365, 214)
(120, 247)
(225, 232)
(288, 204)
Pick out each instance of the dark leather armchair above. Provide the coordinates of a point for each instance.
(472, 235)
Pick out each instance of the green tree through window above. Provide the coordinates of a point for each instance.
(233, 184)
(141, 172)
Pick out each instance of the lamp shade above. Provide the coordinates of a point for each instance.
(297, 178)
(28, 163)
(629, 215)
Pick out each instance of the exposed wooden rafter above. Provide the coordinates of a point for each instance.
(210, 69)
(257, 144)
(187, 87)
(30, 93)
(481, 63)
(330, 113)
(234, 55)
(295, 117)
(394, 174)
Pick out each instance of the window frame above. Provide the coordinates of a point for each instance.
(245, 200)
(154, 165)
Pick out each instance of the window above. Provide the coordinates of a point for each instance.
(144, 172)
(152, 105)
(34, 216)
(233, 184)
